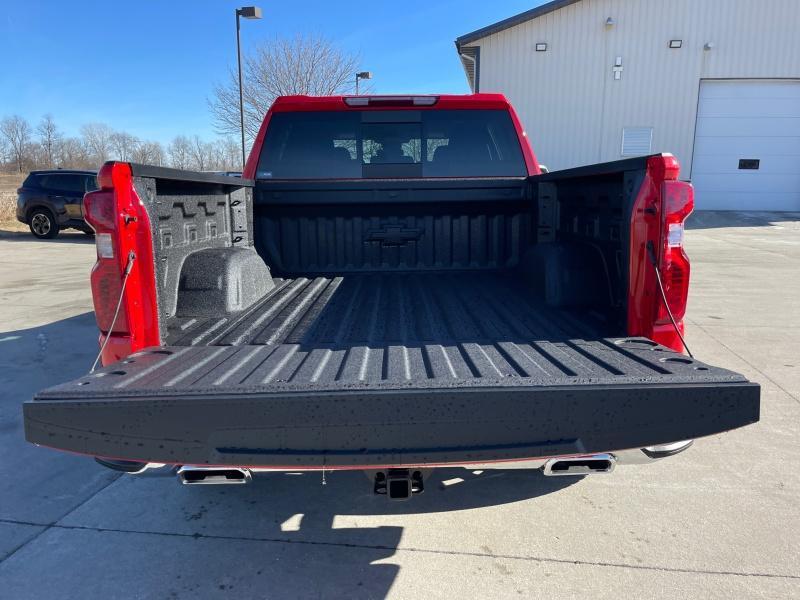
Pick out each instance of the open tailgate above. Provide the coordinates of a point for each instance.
(289, 405)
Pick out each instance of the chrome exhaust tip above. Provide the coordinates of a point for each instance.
(131, 467)
(190, 475)
(593, 464)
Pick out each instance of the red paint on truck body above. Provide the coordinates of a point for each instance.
(116, 210)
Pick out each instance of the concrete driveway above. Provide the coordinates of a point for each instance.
(719, 521)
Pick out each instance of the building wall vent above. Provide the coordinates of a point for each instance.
(637, 141)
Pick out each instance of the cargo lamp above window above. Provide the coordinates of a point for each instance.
(541, 47)
(675, 44)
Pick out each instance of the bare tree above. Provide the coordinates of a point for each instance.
(49, 139)
(99, 142)
(179, 152)
(304, 64)
(36, 156)
(216, 158)
(230, 152)
(72, 153)
(224, 154)
(16, 133)
(123, 145)
(201, 154)
(149, 153)
(97, 138)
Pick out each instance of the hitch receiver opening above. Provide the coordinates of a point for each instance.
(398, 484)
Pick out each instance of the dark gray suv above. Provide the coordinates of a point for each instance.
(50, 201)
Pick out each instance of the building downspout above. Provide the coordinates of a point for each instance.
(476, 69)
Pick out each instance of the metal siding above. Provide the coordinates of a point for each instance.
(573, 109)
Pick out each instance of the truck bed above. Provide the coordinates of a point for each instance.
(408, 310)
(363, 370)
(406, 328)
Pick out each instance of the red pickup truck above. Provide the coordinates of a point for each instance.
(393, 285)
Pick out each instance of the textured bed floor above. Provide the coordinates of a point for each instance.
(401, 308)
(448, 328)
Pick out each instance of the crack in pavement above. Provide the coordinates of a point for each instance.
(539, 559)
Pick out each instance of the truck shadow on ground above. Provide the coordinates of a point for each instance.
(300, 538)
(286, 533)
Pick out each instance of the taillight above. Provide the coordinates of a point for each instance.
(100, 211)
(122, 230)
(656, 235)
(678, 203)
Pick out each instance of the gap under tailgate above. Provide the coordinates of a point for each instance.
(295, 405)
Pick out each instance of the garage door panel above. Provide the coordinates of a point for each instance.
(749, 88)
(737, 107)
(711, 200)
(747, 127)
(747, 119)
(745, 182)
(768, 165)
(752, 147)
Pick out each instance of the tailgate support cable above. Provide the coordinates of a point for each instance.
(128, 268)
(653, 261)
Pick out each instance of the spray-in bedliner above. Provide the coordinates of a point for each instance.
(398, 308)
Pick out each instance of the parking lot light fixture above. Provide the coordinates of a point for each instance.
(362, 75)
(248, 12)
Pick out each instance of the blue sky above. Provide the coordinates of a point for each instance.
(148, 66)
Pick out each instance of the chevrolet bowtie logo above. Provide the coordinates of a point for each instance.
(394, 235)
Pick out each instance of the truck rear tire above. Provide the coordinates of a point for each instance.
(43, 224)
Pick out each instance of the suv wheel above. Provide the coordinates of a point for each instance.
(42, 223)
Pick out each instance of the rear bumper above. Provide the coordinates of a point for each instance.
(20, 212)
(633, 456)
(361, 429)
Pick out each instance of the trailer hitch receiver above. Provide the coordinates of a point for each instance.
(398, 484)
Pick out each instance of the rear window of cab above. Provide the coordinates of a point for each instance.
(409, 143)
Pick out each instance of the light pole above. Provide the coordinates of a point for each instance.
(248, 12)
(362, 75)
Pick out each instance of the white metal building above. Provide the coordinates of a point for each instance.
(715, 82)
